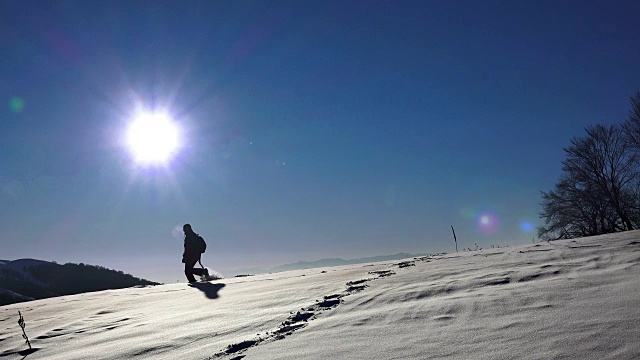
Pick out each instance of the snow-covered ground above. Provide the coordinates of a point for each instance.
(571, 299)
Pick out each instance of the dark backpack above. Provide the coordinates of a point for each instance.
(200, 245)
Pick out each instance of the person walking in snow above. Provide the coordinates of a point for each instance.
(194, 246)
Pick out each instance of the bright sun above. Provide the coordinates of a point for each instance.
(152, 138)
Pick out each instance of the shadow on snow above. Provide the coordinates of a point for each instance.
(210, 290)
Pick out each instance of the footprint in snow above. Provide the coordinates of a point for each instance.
(301, 318)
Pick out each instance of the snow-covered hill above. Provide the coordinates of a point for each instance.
(571, 299)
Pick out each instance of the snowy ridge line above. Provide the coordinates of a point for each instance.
(300, 319)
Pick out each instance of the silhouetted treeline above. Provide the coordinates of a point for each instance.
(599, 189)
(68, 279)
(14, 281)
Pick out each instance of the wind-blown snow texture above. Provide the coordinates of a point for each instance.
(571, 299)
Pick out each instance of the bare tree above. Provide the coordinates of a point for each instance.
(571, 210)
(603, 160)
(597, 192)
(631, 127)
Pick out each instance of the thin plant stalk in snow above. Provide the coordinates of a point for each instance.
(24, 334)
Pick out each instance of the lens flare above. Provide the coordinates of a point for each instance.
(488, 223)
(468, 213)
(526, 226)
(16, 104)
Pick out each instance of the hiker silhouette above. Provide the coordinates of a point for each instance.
(194, 246)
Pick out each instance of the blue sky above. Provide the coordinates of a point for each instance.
(309, 129)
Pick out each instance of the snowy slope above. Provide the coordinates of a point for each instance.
(567, 300)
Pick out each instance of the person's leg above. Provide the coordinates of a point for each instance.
(198, 271)
(188, 268)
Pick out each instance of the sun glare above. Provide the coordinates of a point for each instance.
(152, 138)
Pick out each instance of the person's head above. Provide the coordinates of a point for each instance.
(187, 228)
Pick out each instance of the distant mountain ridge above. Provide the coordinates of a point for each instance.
(331, 262)
(30, 279)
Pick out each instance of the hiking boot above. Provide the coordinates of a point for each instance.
(205, 276)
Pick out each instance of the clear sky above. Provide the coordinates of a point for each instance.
(308, 129)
